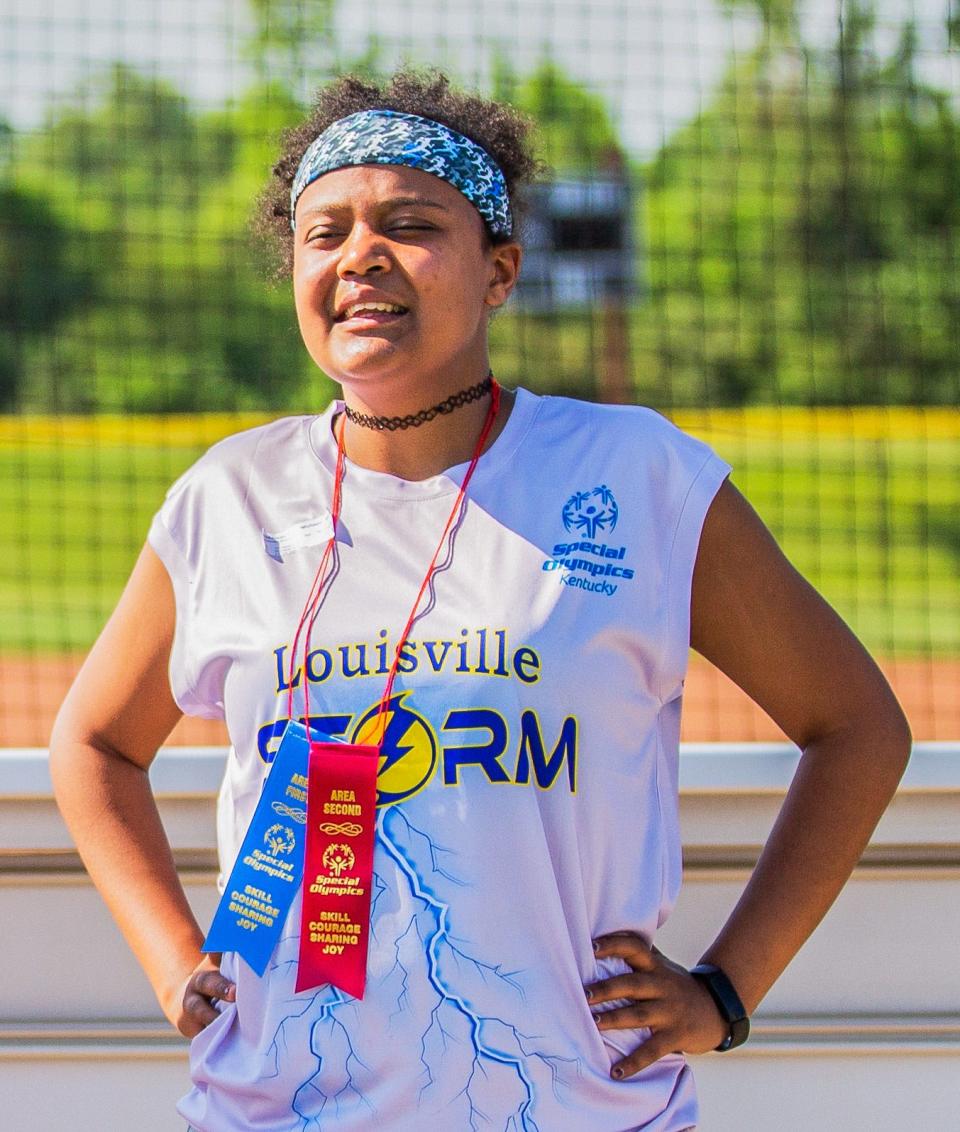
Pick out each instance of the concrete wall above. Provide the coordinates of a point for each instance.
(862, 1034)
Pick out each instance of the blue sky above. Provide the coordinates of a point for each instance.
(654, 61)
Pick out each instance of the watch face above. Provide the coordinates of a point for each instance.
(739, 1032)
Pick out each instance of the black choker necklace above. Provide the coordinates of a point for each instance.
(391, 424)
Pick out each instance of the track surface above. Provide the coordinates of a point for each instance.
(715, 710)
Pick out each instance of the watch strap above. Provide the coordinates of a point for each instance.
(724, 994)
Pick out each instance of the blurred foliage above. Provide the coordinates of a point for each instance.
(292, 43)
(574, 130)
(798, 241)
(43, 277)
(162, 197)
(803, 233)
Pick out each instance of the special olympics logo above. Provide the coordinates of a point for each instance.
(337, 858)
(280, 839)
(588, 513)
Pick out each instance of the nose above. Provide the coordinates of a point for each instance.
(362, 252)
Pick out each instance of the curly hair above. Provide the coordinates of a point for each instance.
(501, 129)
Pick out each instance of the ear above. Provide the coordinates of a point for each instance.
(505, 260)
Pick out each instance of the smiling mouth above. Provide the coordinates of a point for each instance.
(371, 312)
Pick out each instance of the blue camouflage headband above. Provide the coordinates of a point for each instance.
(387, 137)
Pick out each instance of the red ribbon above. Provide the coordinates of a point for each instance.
(338, 868)
(342, 790)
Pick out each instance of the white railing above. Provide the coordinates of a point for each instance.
(862, 1031)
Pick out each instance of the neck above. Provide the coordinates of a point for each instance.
(431, 448)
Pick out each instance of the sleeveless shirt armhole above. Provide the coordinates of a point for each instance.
(181, 678)
(683, 555)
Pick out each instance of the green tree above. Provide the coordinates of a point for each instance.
(41, 282)
(157, 198)
(575, 129)
(795, 251)
(292, 43)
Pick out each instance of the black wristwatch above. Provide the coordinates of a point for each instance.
(728, 1003)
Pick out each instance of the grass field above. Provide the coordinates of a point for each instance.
(866, 503)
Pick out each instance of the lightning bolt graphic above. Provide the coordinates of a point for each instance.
(327, 1027)
(400, 721)
(487, 1050)
(474, 1047)
(330, 1039)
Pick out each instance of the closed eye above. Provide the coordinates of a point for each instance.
(411, 226)
(323, 234)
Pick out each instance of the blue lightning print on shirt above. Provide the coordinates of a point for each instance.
(474, 1060)
(441, 947)
(475, 1047)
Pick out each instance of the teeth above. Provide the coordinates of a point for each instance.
(390, 308)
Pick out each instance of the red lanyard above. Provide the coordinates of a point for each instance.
(329, 563)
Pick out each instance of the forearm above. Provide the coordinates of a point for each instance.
(111, 813)
(842, 786)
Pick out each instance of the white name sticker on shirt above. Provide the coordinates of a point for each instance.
(310, 532)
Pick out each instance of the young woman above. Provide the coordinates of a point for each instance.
(527, 717)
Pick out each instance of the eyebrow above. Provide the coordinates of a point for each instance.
(390, 202)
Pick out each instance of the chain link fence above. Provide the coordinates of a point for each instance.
(751, 222)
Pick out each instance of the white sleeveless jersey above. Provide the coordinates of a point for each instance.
(528, 784)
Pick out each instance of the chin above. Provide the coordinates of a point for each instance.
(369, 373)
(371, 362)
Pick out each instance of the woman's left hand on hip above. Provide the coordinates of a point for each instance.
(660, 995)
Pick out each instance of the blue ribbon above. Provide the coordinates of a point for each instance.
(269, 867)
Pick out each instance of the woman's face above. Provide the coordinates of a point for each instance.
(384, 236)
